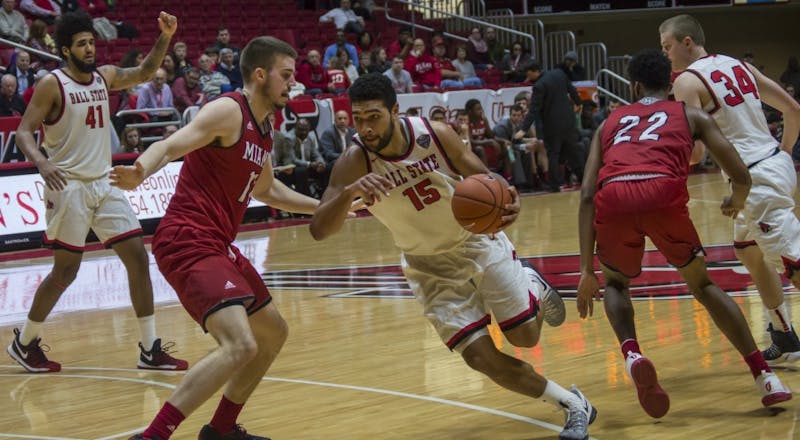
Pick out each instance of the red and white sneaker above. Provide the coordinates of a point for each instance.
(653, 399)
(158, 358)
(31, 356)
(772, 389)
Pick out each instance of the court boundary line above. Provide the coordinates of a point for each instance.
(424, 398)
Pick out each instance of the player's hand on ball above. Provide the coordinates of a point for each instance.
(371, 188)
(512, 209)
(127, 177)
(588, 289)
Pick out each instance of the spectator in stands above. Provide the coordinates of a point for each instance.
(451, 77)
(12, 23)
(529, 149)
(47, 10)
(522, 99)
(156, 94)
(401, 79)
(422, 67)
(11, 104)
(169, 67)
(513, 64)
(364, 63)
(336, 138)
(210, 81)
(213, 53)
(39, 39)
(132, 58)
(792, 73)
(552, 109)
(481, 135)
(132, 140)
(403, 45)
(379, 62)
(792, 92)
(570, 66)
(283, 158)
(228, 67)
(496, 49)
(412, 112)
(365, 43)
(344, 18)
(169, 130)
(181, 62)
(224, 41)
(478, 50)
(461, 127)
(309, 164)
(312, 75)
(22, 71)
(349, 65)
(187, 90)
(602, 114)
(28, 94)
(340, 81)
(465, 66)
(339, 42)
(438, 115)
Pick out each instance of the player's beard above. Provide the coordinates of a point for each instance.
(81, 66)
(383, 142)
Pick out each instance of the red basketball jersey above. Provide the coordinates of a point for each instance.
(647, 137)
(214, 187)
(478, 129)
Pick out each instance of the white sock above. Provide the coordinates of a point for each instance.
(30, 331)
(779, 317)
(147, 330)
(554, 394)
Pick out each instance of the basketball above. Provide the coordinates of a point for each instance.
(478, 203)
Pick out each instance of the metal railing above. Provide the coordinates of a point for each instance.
(173, 113)
(556, 44)
(37, 52)
(593, 57)
(613, 85)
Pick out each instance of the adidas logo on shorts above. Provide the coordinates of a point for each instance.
(229, 285)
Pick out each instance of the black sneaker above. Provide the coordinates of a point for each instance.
(785, 347)
(158, 358)
(31, 356)
(238, 433)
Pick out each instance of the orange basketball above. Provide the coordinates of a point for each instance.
(479, 201)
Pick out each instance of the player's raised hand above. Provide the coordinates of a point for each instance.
(127, 177)
(167, 23)
(371, 188)
(588, 289)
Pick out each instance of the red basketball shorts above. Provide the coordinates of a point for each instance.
(206, 273)
(627, 211)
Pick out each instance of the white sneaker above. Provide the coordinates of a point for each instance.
(580, 414)
(553, 309)
(772, 389)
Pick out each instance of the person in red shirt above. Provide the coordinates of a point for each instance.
(401, 46)
(340, 82)
(634, 186)
(422, 67)
(312, 75)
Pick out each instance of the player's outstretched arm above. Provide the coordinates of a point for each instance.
(275, 193)
(588, 286)
(217, 122)
(119, 78)
(776, 97)
(726, 157)
(349, 180)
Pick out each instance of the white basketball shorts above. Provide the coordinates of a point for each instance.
(82, 205)
(461, 288)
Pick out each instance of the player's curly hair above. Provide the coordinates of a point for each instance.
(70, 24)
(373, 86)
(651, 68)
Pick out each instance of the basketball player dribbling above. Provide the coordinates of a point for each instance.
(766, 234)
(72, 102)
(635, 185)
(227, 148)
(405, 170)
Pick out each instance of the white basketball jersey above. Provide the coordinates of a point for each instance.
(418, 211)
(737, 105)
(79, 141)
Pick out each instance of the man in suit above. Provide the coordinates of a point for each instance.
(309, 164)
(552, 109)
(335, 139)
(22, 72)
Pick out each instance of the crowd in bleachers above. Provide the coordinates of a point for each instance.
(336, 45)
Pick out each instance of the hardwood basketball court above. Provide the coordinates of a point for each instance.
(362, 362)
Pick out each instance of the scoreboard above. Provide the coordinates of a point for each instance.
(556, 6)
